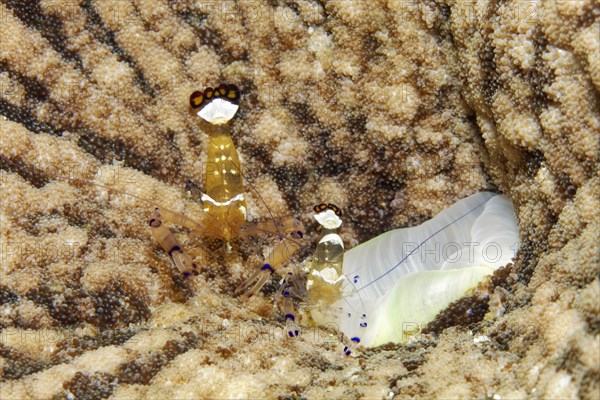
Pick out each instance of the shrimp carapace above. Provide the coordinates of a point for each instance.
(223, 199)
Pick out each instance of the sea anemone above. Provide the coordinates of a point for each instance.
(401, 279)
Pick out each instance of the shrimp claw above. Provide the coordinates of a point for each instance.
(167, 241)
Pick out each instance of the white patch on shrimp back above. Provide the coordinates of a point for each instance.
(329, 275)
(239, 197)
(328, 219)
(334, 238)
(218, 111)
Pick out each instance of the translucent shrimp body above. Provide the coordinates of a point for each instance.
(403, 278)
(224, 198)
(325, 279)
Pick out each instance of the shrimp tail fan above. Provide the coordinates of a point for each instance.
(404, 277)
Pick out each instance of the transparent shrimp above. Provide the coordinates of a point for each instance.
(223, 202)
(326, 284)
(223, 199)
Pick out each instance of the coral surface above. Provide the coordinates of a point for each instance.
(391, 110)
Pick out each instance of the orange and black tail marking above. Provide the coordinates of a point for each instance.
(322, 207)
(230, 93)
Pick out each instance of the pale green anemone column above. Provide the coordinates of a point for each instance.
(404, 277)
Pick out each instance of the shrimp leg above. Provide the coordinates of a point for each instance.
(289, 230)
(166, 239)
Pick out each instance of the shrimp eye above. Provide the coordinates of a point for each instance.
(335, 209)
(208, 93)
(196, 99)
(320, 207)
